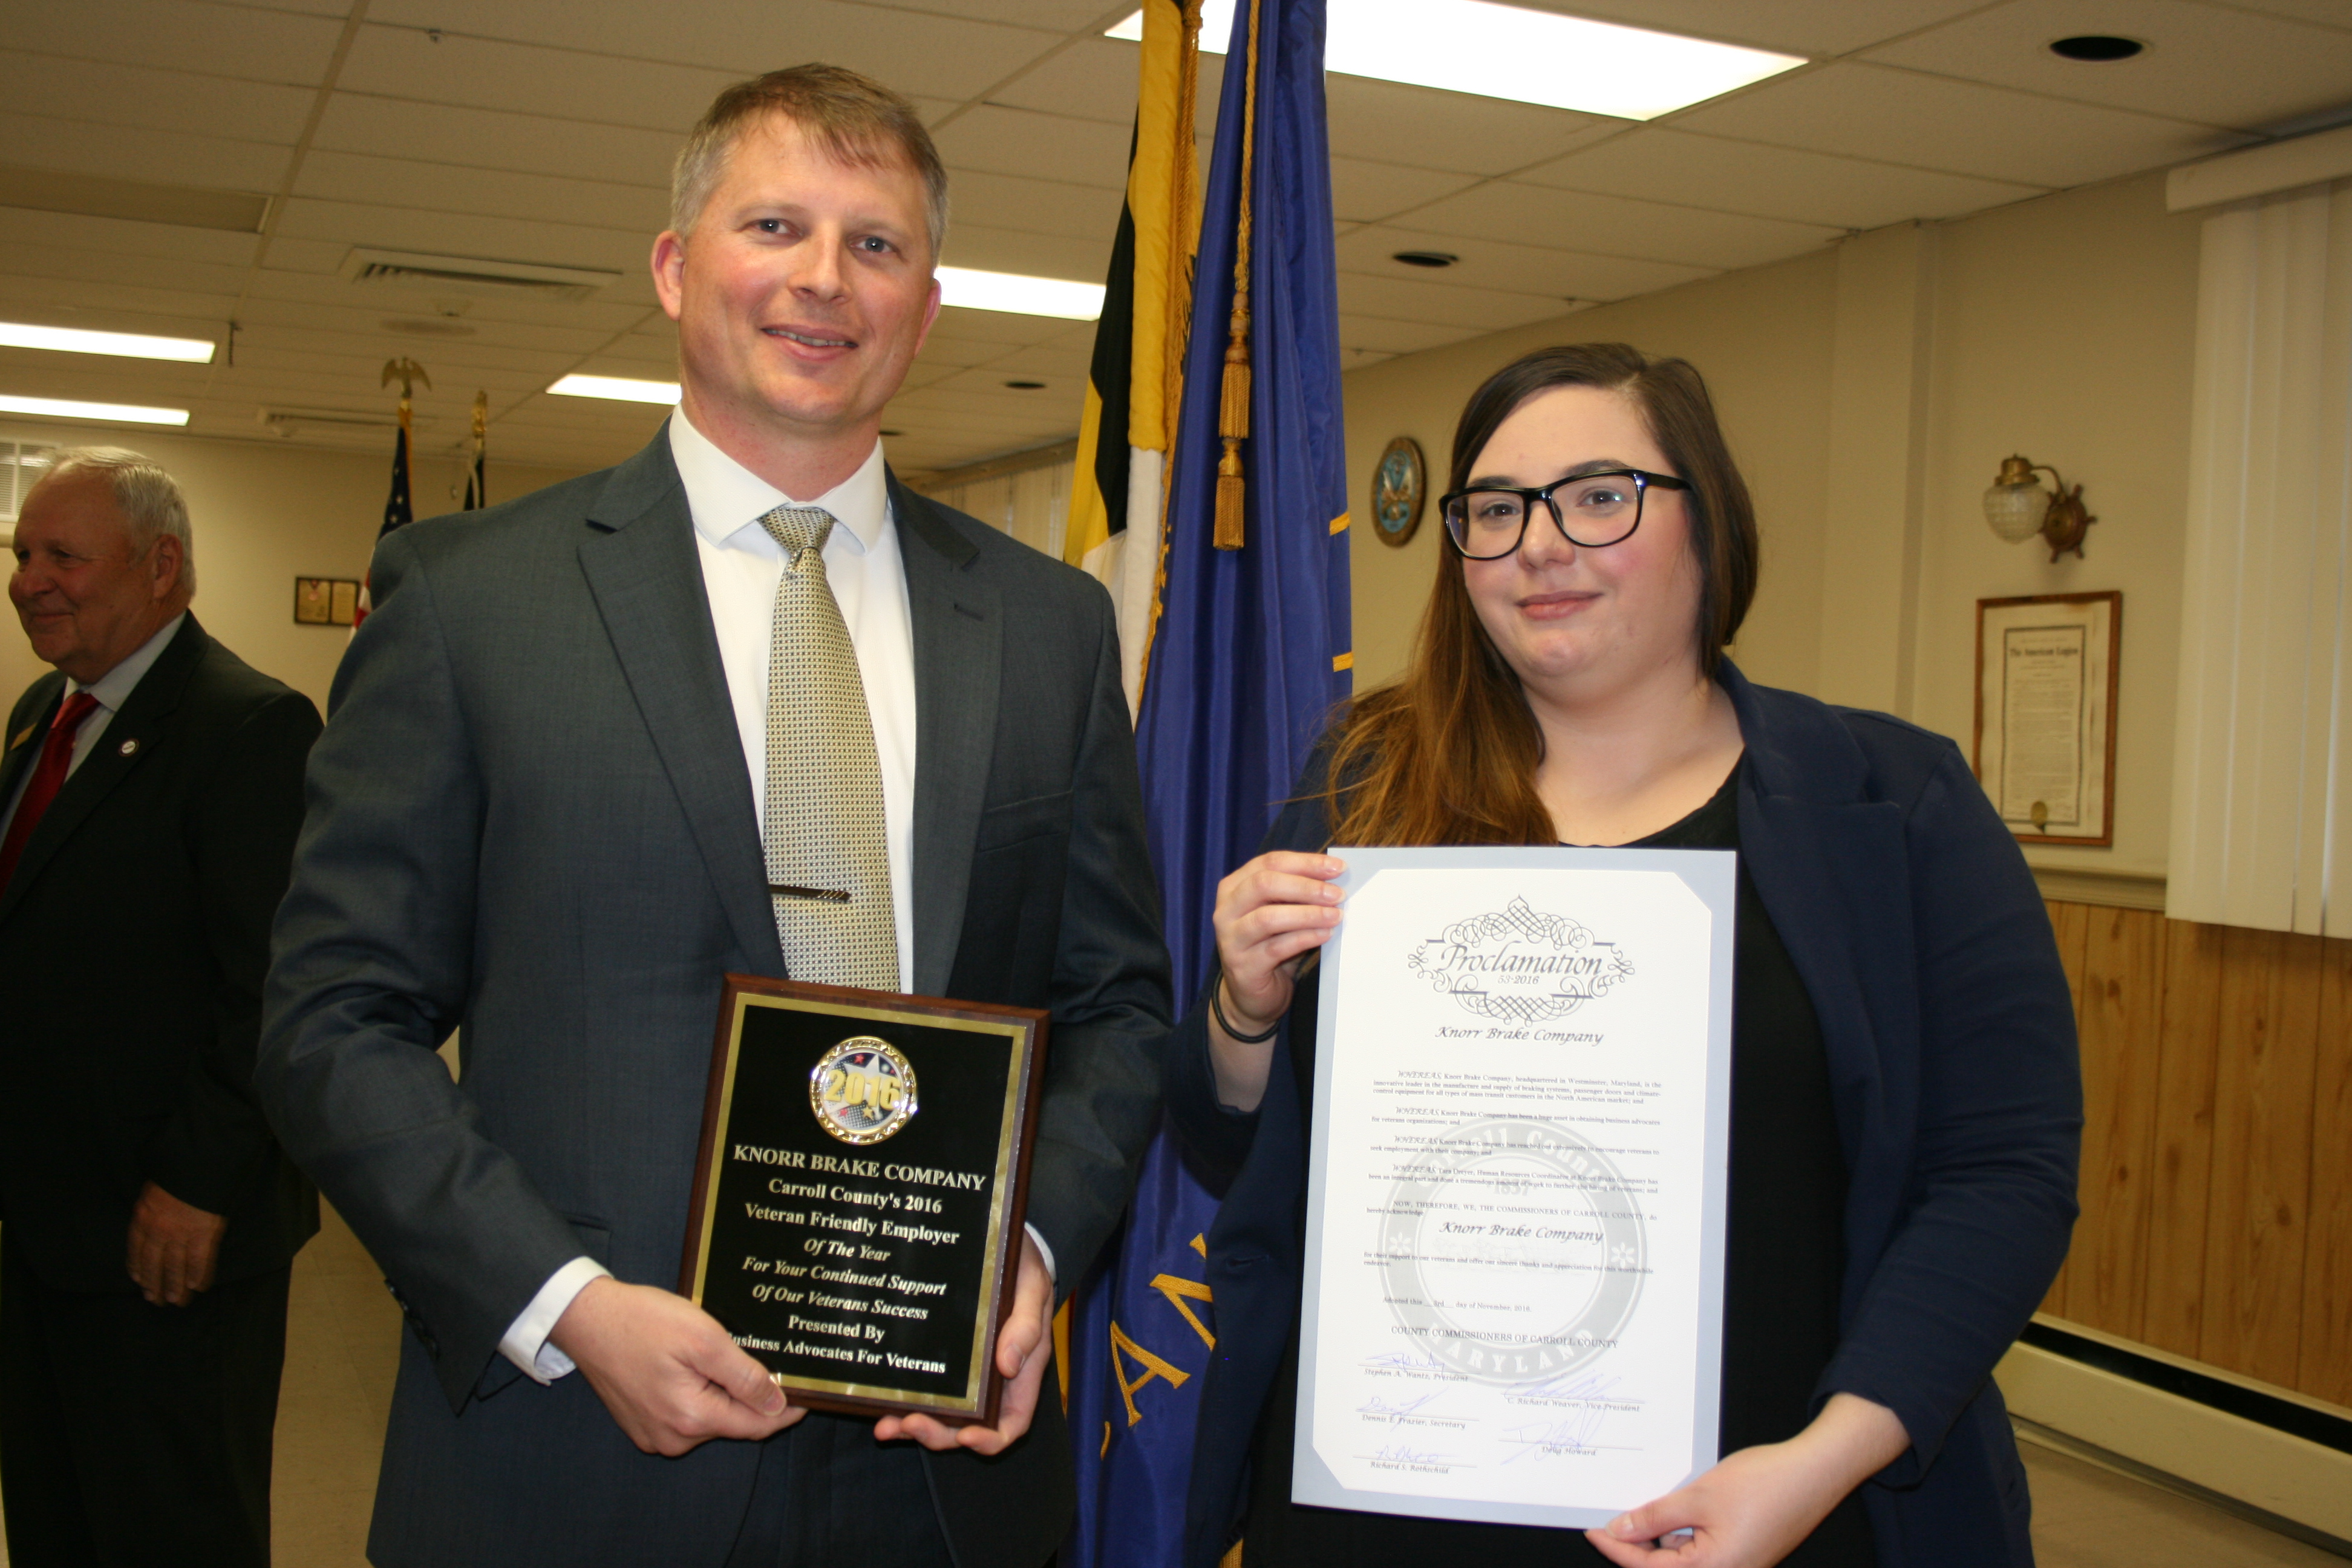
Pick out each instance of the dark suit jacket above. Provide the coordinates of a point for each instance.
(1924, 944)
(133, 937)
(530, 815)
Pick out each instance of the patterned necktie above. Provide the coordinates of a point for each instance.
(822, 830)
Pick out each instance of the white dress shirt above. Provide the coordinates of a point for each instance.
(741, 565)
(110, 690)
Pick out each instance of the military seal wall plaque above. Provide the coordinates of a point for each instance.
(858, 1196)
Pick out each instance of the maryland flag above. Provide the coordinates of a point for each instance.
(1136, 381)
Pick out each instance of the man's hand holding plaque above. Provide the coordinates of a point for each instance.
(1021, 1357)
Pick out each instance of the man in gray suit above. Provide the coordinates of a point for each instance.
(578, 742)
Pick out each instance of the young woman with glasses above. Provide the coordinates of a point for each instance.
(1904, 1104)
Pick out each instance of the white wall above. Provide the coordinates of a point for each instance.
(264, 514)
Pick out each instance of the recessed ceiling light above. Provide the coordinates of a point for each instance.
(1027, 385)
(1426, 257)
(69, 408)
(1476, 46)
(1021, 296)
(80, 341)
(617, 387)
(2096, 47)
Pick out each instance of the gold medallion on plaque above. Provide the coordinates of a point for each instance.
(861, 1089)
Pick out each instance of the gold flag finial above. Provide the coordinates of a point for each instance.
(481, 415)
(407, 372)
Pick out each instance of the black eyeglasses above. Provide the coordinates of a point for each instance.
(1600, 510)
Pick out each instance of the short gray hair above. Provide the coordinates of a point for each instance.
(149, 498)
(854, 118)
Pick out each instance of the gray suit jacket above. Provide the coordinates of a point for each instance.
(529, 817)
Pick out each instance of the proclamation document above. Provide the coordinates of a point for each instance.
(1514, 1264)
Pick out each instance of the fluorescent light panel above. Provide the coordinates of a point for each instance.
(619, 388)
(1010, 291)
(1525, 57)
(68, 408)
(80, 341)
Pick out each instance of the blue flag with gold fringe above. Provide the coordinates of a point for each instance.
(1250, 650)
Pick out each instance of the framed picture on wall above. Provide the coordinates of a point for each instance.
(2045, 726)
(326, 601)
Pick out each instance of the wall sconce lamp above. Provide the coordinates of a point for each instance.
(2018, 508)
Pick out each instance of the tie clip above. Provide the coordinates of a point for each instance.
(787, 890)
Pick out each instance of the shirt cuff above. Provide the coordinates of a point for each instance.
(525, 1343)
(1053, 1275)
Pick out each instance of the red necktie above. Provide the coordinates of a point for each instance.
(49, 774)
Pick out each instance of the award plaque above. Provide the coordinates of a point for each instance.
(857, 1206)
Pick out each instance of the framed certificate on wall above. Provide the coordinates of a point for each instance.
(2046, 723)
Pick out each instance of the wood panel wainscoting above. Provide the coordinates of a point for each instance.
(2217, 1144)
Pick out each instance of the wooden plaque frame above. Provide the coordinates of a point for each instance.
(876, 1013)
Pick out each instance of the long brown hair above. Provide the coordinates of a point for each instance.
(1447, 754)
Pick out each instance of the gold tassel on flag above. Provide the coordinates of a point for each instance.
(1233, 404)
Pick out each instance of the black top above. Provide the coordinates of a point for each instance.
(1785, 1259)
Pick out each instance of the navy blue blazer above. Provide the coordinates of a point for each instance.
(1921, 938)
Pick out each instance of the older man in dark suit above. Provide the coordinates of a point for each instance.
(152, 791)
(581, 742)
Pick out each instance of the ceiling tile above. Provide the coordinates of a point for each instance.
(1036, 255)
(1374, 334)
(18, 260)
(929, 57)
(995, 327)
(1426, 129)
(437, 187)
(400, 62)
(177, 35)
(1032, 207)
(1038, 146)
(173, 242)
(1094, 78)
(156, 99)
(2216, 67)
(1959, 127)
(1670, 165)
(1620, 225)
(1558, 275)
(1435, 304)
(2333, 13)
(1812, 27)
(1363, 191)
(136, 152)
(466, 233)
(486, 139)
(115, 307)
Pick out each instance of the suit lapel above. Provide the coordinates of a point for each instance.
(38, 708)
(641, 565)
(132, 737)
(955, 618)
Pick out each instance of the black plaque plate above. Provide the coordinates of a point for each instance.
(857, 1207)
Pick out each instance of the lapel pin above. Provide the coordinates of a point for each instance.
(130, 748)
